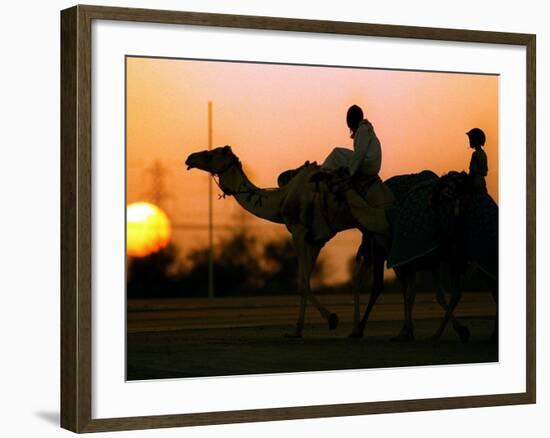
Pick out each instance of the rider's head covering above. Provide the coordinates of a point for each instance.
(476, 136)
(354, 117)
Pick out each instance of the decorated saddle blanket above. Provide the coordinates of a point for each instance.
(482, 233)
(418, 227)
(413, 221)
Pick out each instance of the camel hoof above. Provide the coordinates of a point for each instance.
(463, 334)
(436, 337)
(356, 334)
(333, 321)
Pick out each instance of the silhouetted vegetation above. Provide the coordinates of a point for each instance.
(236, 268)
(158, 274)
(242, 266)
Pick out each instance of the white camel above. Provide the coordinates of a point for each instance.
(311, 218)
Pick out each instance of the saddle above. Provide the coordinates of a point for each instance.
(285, 177)
(333, 187)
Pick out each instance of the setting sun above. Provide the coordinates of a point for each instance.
(148, 229)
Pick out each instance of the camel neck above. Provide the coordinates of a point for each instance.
(262, 203)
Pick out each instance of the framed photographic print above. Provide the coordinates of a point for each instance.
(304, 218)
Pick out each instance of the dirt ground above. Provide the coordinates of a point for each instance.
(174, 339)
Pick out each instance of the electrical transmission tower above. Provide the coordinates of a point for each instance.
(158, 192)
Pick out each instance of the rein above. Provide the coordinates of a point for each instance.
(226, 192)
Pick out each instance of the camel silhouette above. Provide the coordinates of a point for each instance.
(313, 215)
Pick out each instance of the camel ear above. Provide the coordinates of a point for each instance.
(226, 149)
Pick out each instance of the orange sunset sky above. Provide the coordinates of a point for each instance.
(277, 116)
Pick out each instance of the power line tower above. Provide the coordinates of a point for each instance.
(158, 192)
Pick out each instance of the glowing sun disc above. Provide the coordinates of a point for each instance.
(147, 229)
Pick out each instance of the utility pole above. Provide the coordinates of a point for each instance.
(210, 214)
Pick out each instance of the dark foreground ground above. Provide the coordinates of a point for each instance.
(197, 338)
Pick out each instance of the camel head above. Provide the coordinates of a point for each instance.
(215, 161)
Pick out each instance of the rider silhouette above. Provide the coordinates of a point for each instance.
(478, 162)
(366, 157)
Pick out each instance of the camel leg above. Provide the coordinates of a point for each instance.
(299, 246)
(307, 255)
(462, 330)
(312, 253)
(456, 295)
(377, 286)
(408, 278)
(440, 296)
(362, 264)
(302, 310)
(332, 318)
(361, 268)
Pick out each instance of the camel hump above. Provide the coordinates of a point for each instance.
(285, 177)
